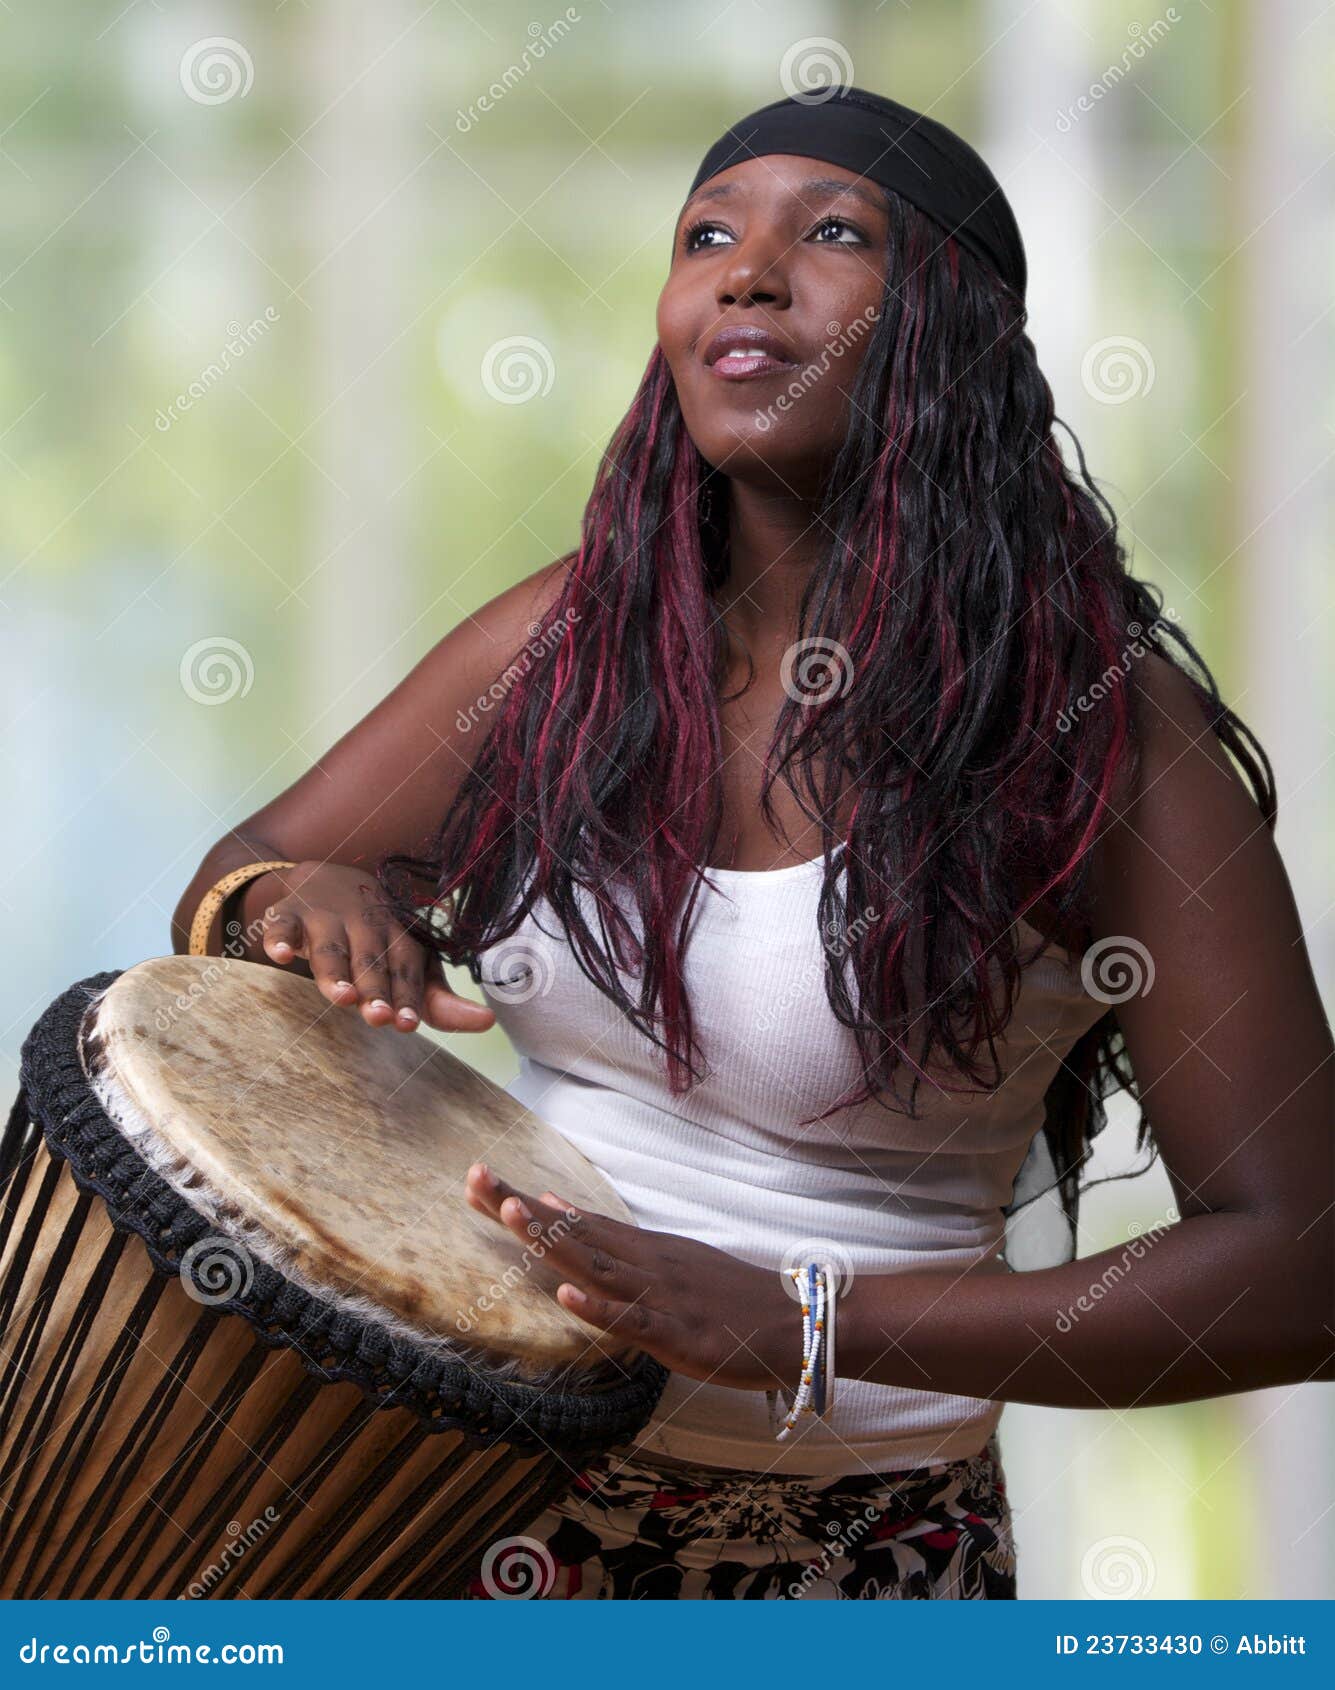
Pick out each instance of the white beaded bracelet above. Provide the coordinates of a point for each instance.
(813, 1332)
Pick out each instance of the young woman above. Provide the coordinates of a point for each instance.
(843, 827)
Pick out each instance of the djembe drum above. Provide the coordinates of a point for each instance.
(255, 1342)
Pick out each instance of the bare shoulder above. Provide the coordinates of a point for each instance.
(1176, 741)
(387, 782)
(486, 640)
(1181, 812)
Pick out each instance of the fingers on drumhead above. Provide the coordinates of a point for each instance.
(405, 973)
(283, 937)
(327, 952)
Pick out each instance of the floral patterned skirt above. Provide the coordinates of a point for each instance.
(630, 1529)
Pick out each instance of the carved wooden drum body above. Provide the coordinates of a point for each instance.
(253, 1341)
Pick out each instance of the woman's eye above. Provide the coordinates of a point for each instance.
(696, 237)
(844, 234)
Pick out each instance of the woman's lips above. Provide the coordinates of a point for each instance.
(745, 351)
(742, 365)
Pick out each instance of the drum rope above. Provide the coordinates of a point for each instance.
(24, 1352)
(350, 1509)
(22, 1256)
(84, 1433)
(21, 1133)
(351, 1568)
(55, 1381)
(443, 1579)
(133, 1451)
(226, 1498)
(196, 1451)
(317, 1470)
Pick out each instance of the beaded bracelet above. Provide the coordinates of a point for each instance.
(815, 1392)
(813, 1295)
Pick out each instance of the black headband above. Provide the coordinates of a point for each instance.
(903, 150)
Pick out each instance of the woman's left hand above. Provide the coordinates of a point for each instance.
(699, 1310)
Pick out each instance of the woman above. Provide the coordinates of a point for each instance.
(846, 685)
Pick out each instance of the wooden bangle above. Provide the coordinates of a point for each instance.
(216, 896)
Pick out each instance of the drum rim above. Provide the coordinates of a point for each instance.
(442, 1391)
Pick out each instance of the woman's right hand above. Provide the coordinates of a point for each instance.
(337, 919)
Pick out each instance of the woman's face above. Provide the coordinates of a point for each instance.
(778, 268)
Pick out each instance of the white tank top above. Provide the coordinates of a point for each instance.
(728, 1162)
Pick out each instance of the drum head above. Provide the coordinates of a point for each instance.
(344, 1147)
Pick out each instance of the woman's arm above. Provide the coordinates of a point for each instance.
(1234, 1056)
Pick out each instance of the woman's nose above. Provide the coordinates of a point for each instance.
(756, 274)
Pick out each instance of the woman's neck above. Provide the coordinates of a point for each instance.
(774, 543)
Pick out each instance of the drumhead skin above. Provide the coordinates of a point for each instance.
(343, 1148)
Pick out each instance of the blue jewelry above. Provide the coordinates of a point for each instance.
(820, 1350)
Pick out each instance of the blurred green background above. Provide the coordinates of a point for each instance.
(309, 345)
